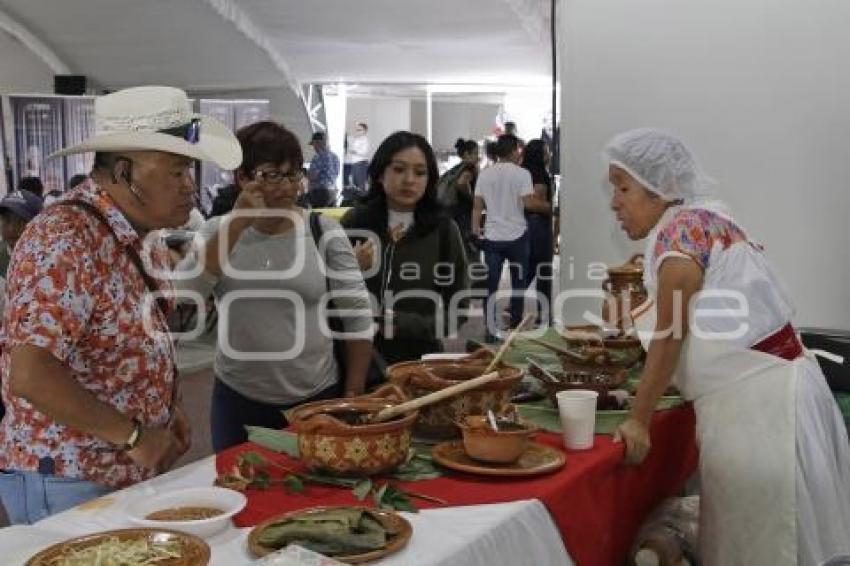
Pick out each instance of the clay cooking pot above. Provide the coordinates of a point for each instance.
(438, 421)
(332, 438)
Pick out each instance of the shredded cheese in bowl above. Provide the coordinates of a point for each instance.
(116, 552)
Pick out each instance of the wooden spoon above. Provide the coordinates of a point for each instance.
(488, 376)
(430, 399)
(507, 344)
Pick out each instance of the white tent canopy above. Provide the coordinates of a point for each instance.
(765, 107)
(268, 49)
(219, 45)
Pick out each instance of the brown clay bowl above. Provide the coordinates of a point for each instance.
(599, 379)
(437, 421)
(587, 340)
(503, 446)
(332, 437)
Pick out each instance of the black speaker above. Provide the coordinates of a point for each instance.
(69, 84)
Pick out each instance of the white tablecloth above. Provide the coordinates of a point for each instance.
(519, 532)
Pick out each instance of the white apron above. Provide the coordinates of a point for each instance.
(746, 428)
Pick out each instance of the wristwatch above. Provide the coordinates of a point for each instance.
(135, 435)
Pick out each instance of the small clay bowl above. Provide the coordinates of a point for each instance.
(504, 446)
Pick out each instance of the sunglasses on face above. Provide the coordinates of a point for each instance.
(275, 176)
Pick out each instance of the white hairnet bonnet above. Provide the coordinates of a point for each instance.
(661, 163)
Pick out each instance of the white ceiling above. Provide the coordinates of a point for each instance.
(249, 44)
(424, 41)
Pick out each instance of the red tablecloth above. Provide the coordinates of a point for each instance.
(597, 503)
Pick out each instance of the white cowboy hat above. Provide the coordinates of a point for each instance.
(158, 118)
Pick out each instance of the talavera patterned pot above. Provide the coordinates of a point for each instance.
(330, 439)
(438, 421)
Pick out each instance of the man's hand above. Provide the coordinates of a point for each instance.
(636, 436)
(158, 449)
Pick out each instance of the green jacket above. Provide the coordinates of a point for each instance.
(413, 268)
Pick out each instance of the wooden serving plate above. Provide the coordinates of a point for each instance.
(196, 552)
(537, 459)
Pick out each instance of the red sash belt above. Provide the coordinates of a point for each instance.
(783, 343)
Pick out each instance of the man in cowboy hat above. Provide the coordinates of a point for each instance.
(87, 364)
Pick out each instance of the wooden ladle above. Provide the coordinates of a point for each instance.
(488, 376)
(430, 399)
(509, 341)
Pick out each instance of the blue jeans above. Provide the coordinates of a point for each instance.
(360, 174)
(515, 252)
(30, 496)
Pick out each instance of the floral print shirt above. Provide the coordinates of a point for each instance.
(74, 291)
(693, 232)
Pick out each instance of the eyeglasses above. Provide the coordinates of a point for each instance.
(277, 177)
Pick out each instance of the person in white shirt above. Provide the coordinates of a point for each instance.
(506, 190)
(356, 166)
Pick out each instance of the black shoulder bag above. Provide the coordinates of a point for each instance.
(376, 374)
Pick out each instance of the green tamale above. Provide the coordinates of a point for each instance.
(330, 532)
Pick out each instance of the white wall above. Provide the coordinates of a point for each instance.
(384, 115)
(759, 90)
(467, 120)
(419, 117)
(527, 109)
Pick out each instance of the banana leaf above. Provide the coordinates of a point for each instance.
(543, 415)
(419, 465)
(520, 351)
(277, 440)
